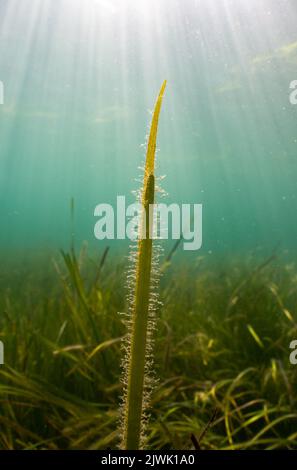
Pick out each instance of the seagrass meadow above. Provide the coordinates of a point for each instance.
(113, 343)
(221, 354)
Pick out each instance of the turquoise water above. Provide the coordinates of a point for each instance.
(80, 78)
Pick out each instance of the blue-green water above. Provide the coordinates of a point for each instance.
(80, 77)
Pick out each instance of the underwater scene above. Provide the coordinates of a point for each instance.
(148, 242)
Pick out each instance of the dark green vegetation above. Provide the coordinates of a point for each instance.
(222, 344)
